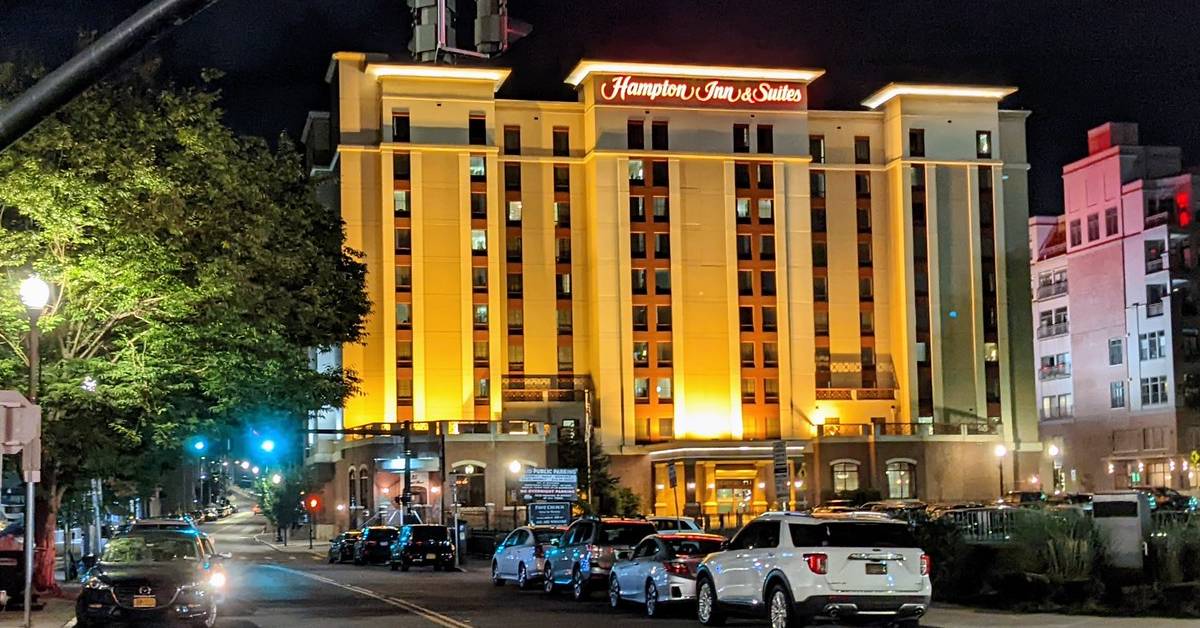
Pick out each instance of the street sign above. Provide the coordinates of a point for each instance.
(779, 457)
(1195, 457)
(550, 513)
(539, 484)
(674, 481)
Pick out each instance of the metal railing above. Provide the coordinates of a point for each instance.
(984, 525)
(1058, 371)
(1154, 309)
(1052, 289)
(860, 394)
(1055, 329)
(1061, 412)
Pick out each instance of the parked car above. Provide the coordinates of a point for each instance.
(160, 523)
(661, 570)
(794, 568)
(1081, 502)
(341, 547)
(1164, 498)
(152, 575)
(937, 510)
(374, 547)
(1024, 499)
(675, 524)
(897, 508)
(423, 544)
(587, 551)
(197, 516)
(522, 555)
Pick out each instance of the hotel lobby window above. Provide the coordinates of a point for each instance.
(902, 480)
(845, 476)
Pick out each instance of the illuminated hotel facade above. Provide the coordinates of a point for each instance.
(696, 264)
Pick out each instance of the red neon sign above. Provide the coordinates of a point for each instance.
(627, 89)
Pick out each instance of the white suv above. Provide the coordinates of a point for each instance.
(793, 568)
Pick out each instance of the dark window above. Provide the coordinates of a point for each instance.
(637, 245)
(637, 208)
(662, 245)
(766, 176)
(851, 534)
(658, 174)
(478, 205)
(400, 127)
(1110, 221)
(636, 131)
(766, 138)
(562, 179)
(818, 220)
(862, 150)
(512, 140)
(916, 142)
(401, 170)
(983, 144)
(1076, 233)
(512, 177)
(862, 184)
(741, 176)
(746, 317)
(562, 142)
(658, 135)
(477, 130)
(816, 183)
(741, 138)
(816, 148)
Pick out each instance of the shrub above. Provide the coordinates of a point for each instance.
(1062, 546)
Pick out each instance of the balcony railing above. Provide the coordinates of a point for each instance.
(1052, 290)
(1056, 329)
(860, 394)
(859, 430)
(1058, 371)
(1154, 264)
(1154, 309)
(1155, 220)
(1061, 412)
(544, 388)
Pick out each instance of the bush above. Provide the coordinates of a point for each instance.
(1062, 546)
(1175, 551)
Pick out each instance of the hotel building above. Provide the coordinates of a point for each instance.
(697, 265)
(1115, 318)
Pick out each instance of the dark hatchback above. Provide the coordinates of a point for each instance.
(424, 544)
(374, 546)
(341, 547)
(152, 576)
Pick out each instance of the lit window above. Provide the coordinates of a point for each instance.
(663, 389)
(641, 389)
(479, 241)
(742, 206)
(514, 211)
(481, 315)
(902, 480)
(400, 203)
(766, 210)
(478, 168)
(845, 477)
(983, 144)
(637, 172)
(403, 315)
(641, 354)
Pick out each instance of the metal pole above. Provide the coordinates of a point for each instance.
(96, 513)
(30, 537)
(587, 441)
(1001, 467)
(406, 498)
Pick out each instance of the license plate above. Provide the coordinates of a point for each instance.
(144, 601)
(431, 557)
(877, 569)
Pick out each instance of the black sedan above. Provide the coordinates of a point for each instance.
(152, 576)
(423, 544)
(373, 546)
(341, 547)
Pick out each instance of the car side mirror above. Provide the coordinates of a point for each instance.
(88, 561)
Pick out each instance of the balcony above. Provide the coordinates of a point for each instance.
(1052, 290)
(1154, 264)
(852, 394)
(1154, 309)
(1058, 371)
(1155, 220)
(1058, 329)
(1060, 412)
(862, 430)
(544, 388)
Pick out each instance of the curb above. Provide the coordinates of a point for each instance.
(286, 551)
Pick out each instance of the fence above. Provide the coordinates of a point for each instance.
(984, 526)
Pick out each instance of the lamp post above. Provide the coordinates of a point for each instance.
(818, 423)
(1000, 452)
(514, 467)
(35, 294)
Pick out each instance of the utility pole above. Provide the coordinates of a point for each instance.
(406, 496)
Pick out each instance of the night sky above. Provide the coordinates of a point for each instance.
(1077, 64)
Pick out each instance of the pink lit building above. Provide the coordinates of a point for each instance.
(1116, 330)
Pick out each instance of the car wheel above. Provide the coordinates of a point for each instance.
(395, 565)
(332, 560)
(358, 560)
(706, 604)
(522, 577)
(579, 586)
(548, 581)
(614, 593)
(779, 608)
(403, 565)
(652, 608)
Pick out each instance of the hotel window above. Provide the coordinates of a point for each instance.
(766, 211)
(563, 317)
(479, 241)
(747, 352)
(403, 278)
(766, 281)
(477, 130)
(638, 285)
(403, 241)
(1116, 395)
(818, 220)
(401, 167)
(514, 212)
(1154, 255)
(562, 214)
(637, 208)
(400, 127)
(845, 477)
(659, 173)
(867, 356)
(637, 245)
(562, 284)
(766, 176)
(403, 315)
(661, 208)
(641, 389)
(862, 150)
(404, 353)
(1110, 221)
(1154, 390)
(662, 317)
(1076, 233)
(662, 354)
(516, 356)
(865, 288)
(562, 179)
(816, 184)
(1093, 227)
(481, 352)
(748, 395)
(770, 389)
(482, 391)
(745, 280)
(864, 253)
(513, 249)
(512, 177)
(662, 281)
(766, 138)
(635, 131)
(742, 210)
(821, 322)
(1116, 351)
(566, 357)
(563, 251)
(902, 480)
(862, 184)
(991, 352)
(766, 247)
(916, 142)
(514, 284)
(400, 203)
(866, 322)
(744, 249)
(479, 205)
(746, 317)
(741, 176)
(769, 322)
(741, 138)
(983, 144)
(477, 166)
(658, 135)
(561, 141)
(1154, 296)
(662, 245)
(820, 289)
(479, 279)
(770, 353)
(481, 316)
(512, 140)
(404, 391)
(816, 148)
(641, 320)
(637, 172)
(863, 217)
(1152, 346)
(821, 359)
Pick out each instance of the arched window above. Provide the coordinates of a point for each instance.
(365, 491)
(353, 486)
(902, 479)
(845, 476)
(469, 487)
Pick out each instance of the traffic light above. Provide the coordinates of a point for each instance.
(312, 503)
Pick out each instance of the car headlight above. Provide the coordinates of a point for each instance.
(97, 584)
(217, 580)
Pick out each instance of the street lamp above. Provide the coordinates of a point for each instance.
(1001, 451)
(276, 478)
(1053, 450)
(35, 294)
(254, 470)
(268, 445)
(199, 445)
(514, 467)
(245, 465)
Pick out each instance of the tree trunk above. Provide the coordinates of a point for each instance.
(48, 501)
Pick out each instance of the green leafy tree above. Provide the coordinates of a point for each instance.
(191, 268)
(605, 496)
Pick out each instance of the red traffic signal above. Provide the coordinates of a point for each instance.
(312, 503)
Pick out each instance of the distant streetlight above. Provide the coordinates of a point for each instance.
(254, 470)
(514, 466)
(245, 465)
(1053, 450)
(276, 478)
(199, 445)
(268, 445)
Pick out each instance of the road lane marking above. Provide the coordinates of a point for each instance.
(431, 615)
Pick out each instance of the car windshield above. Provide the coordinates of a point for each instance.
(383, 534)
(851, 534)
(546, 536)
(350, 536)
(624, 533)
(149, 549)
(429, 533)
(692, 547)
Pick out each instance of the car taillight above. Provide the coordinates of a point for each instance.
(817, 563)
(677, 568)
(925, 564)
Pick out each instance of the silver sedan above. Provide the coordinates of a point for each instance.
(661, 570)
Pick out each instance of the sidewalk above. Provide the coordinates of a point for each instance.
(58, 611)
(962, 616)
